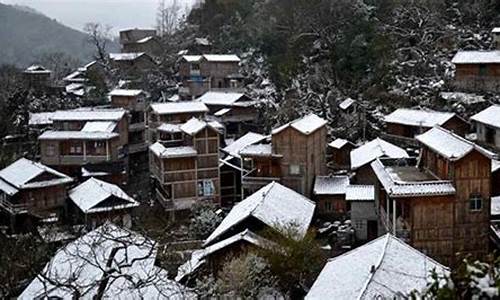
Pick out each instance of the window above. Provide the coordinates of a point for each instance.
(75, 148)
(328, 206)
(294, 169)
(475, 202)
(490, 135)
(51, 150)
(483, 70)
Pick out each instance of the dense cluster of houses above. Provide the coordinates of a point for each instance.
(422, 192)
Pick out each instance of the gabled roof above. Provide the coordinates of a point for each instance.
(44, 118)
(77, 135)
(449, 145)
(89, 115)
(192, 58)
(357, 192)
(126, 56)
(477, 57)
(221, 98)
(419, 184)
(274, 205)
(37, 69)
(88, 195)
(418, 117)
(346, 103)
(171, 128)
(76, 76)
(99, 126)
(194, 125)
(126, 93)
(20, 175)
(198, 257)
(384, 268)
(262, 150)
(340, 143)
(330, 185)
(489, 116)
(172, 152)
(373, 150)
(248, 139)
(84, 260)
(221, 57)
(306, 125)
(179, 107)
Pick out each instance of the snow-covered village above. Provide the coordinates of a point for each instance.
(250, 149)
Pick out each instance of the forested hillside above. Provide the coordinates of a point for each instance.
(388, 52)
(26, 36)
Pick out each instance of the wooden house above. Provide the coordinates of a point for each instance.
(386, 268)
(85, 136)
(188, 171)
(140, 40)
(405, 124)
(37, 77)
(230, 168)
(487, 124)
(172, 113)
(440, 204)
(361, 200)
(95, 202)
(132, 63)
(330, 196)
(362, 156)
(477, 70)
(134, 101)
(31, 188)
(201, 73)
(296, 155)
(339, 154)
(236, 111)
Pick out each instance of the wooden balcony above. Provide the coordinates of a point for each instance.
(70, 160)
(13, 209)
(387, 222)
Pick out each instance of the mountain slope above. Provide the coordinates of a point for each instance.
(26, 35)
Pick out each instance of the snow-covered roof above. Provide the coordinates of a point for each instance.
(264, 150)
(77, 135)
(383, 268)
(22, 174)
(126, 92)
(198, 257)
(179, 107)
(339, 143)
(36, 69)
(145, 40)
(192, 58)
(448, 144)
(99, 126)
(221, 57)
(222, 112)
(305, 125)
(418, 184)
(172, 152)
(495, 206)
(202, 41)
(495, 165)
(76, 76)
(346, 103)
(125, 56)
(248, 139)
(220, 98)
(489, 116)
(193, 126)
(477, 57)
(171, 128)
(373, 150)
(44, 118)
(89, 195)
(89, 115)
(330, 185)
(418, 117)
(274, 205)
(83, 262)
(357, 192)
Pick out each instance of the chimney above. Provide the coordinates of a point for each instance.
(496, 37)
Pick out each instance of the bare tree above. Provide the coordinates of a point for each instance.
(98, 36)
(169, 17)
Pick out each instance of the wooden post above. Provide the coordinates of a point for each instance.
(84, 150)
(107, 149)
(394, 217)
(387, 216)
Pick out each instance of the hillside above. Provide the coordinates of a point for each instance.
(25, 35)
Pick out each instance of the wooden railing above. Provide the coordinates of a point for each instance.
(403, 234)
(13, 209)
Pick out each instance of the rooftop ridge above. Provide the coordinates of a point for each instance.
(376, 267)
